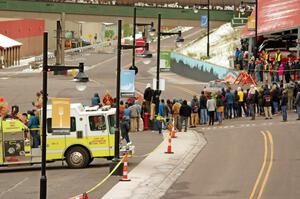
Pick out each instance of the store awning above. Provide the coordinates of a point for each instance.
(275, 16)
(6, 42)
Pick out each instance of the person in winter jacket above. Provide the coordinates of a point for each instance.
(195, 108)
(284, 102)
(125, 127)
(33, 124)
(148, 96)
(275, 98)
(175, 109)
(229, 100)
(211, 108)
(203, 109)
(267, 102)
(219, 108)
(96, 100)
(185, 113)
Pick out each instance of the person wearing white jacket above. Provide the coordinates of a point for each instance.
(211, 107)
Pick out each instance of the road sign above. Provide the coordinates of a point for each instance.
(204, 21)
(162, 84)
(61, 121)
(139, 42)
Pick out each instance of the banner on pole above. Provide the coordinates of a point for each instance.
(203, 21)
(61, 120)
(127, 83)
(165, 61)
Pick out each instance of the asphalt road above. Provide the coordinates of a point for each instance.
(244, 159)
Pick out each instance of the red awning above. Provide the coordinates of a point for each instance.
(275, 16)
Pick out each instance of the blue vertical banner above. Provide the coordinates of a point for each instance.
(203, 21)
(127, 83)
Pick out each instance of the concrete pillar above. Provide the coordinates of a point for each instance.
(63, 31)
(298, 45)
(19, 54)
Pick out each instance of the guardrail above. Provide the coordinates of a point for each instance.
(79, 49)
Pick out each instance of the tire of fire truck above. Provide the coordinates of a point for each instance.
(77, 157)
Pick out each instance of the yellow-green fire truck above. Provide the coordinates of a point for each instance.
(91, 136)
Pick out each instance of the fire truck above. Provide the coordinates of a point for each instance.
(91, 136)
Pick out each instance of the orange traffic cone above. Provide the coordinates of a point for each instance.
(173, 132)
(169, 149)
(81, 196)
(125, 169)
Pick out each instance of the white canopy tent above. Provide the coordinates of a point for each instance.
(9, 51)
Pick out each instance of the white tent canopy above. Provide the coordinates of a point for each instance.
(6, 42)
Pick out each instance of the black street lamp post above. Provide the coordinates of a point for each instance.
(146, 54)
(121, 47)
(256, 28)
(179, 40)
(208, 11)
(80, 77)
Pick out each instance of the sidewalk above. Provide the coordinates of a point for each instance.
(156, 173)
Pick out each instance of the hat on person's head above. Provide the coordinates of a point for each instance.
(148, 85)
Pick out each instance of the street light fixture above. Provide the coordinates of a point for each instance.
(146, 55)
(81, 79)
(179, 41)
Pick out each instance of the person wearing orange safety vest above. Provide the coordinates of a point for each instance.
(278, 57)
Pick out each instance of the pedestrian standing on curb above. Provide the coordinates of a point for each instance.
(219, 108)
(284, 101)
(229, 100)
(297, 104)
(211, 107)
(148, 95)
(185, 113)
(203, 108)
(251, 98)
(175, 109)
(195, 108)
(267, 104)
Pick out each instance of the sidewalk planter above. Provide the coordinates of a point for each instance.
(196, 69)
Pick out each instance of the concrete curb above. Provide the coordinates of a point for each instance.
(156, 173)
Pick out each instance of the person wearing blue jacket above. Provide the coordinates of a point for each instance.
(96, 100)
(229, 100)
(33, 124)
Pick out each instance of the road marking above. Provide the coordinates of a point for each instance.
(270, 165)
(13, 187)
(267, 138)
(262, 167)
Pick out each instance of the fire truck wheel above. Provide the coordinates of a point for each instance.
(77, 157)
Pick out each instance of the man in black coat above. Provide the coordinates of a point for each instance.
(148, 97)
(184, 112)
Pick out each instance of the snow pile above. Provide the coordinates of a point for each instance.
(223, 43)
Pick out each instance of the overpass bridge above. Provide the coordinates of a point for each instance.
(44, 9)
